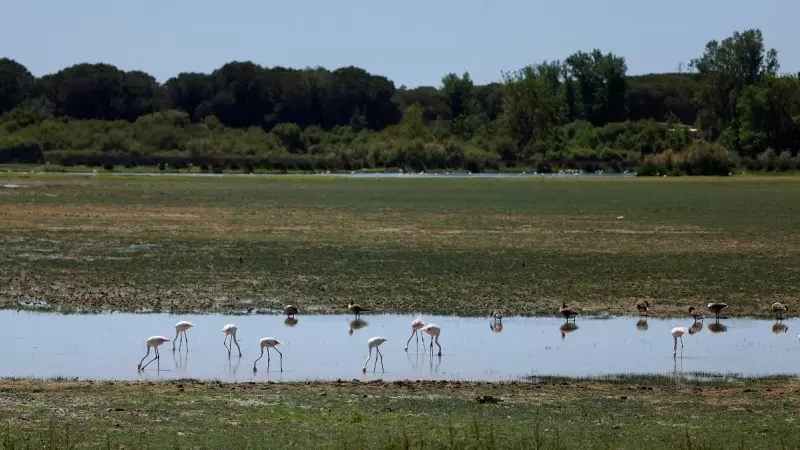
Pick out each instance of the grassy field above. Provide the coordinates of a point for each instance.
(556, 414)
(439, 246)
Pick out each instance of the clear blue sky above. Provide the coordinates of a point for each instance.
(413, 42)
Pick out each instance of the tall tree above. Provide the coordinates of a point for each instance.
(533, 104)
(600, 86)
(727, 68)
(16, 84)
(769, 115)
(188, 91)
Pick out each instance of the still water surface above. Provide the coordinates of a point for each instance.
(108, 346)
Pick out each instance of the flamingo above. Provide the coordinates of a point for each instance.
(268, 343)
(434, 331)
(152, 342)
(290, 311)
(181, 327)
(416, 325)
(678, 332)
(374, 342)
(644, 307)
(356, 309)
(496, 314)
(230, 330)
(779, 309)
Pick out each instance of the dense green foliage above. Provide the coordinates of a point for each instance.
(584, 112)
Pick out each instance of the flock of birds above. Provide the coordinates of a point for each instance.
(418, 327)
(715, 308)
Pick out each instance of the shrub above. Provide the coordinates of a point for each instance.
(709, 159)
(786, 162)
(767, 160)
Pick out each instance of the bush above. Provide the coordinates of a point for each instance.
(786, 162)
(767, 160)
(709, 159)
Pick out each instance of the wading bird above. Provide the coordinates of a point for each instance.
(567, 312)
(230, 330)
(716, 308)
(356, 309)
(696, 314)
(374, 342)
(181, 327)
(416, 325)
(779, 309)
(290, 311)
(434, 331)
(268, 343)
(678, 332)
(644, 307)
(152, 342)
(496, 314)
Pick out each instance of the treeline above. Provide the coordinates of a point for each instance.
(732, 108)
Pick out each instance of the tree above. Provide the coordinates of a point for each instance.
(188, 91)
(533, 104)
(600, 86)
(17, 84)
(727, 68)
(101, 91)
(769, 115)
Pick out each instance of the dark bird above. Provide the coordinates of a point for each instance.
(290, 310)
(779, 309)
(644, 307)
(240, 260)
(356, 309)
(496, 314)
(716, 308)
(567, 312)
(696, 314)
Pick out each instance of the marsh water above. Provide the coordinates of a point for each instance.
(329, 347)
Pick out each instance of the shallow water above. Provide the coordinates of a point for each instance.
(109, 346)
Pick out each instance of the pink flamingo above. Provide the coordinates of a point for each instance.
(374, 342)
(678, 332)
(181, 327)
(268, 343)
(230, 330)
(416, 325)
(434, 331)
(152, 342)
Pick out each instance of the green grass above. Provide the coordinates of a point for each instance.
(439, 246)
(585, 414)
